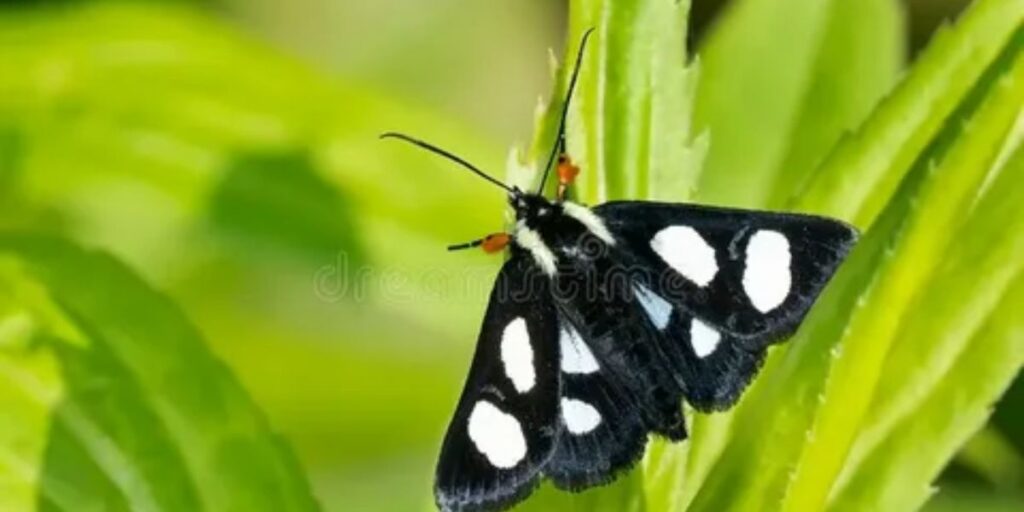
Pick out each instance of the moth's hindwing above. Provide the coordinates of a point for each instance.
(506, 423)
(594, 296)
(603, 427)
(617, 385)
(713, 366)
(750, 274)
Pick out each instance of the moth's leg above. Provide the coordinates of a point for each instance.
(495, 242)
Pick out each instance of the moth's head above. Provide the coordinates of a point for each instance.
(531, 206)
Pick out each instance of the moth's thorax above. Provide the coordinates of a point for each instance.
(553, 231)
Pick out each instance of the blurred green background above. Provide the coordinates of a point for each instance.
(227, 151)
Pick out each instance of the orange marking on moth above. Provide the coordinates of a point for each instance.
(496, 242)
(567, 173)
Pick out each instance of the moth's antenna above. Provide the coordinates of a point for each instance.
(560, 138)
(434, 149)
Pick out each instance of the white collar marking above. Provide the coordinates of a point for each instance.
(529, 239)
(590, 220)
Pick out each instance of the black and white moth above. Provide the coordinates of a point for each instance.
(603, 320)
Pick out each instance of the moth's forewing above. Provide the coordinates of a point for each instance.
(506, 423)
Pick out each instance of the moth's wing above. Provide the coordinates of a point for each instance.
(616, 384)
(716, 366)
(506, 423)
(604, 431)
(750, 274)
(713, 366)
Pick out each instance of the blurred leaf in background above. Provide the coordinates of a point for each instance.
(135, 413)
(227, 152)
(320, 276)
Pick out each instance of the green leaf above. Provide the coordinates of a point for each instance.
(864, 170)
(991, 453)
(897, 473)
(966, 497)
(272, 202)
(126, 135)
(812, 398)
(141, 416)
(134, 127)
(944, 347)
(629, 121)
(781, 80)
(945, 194)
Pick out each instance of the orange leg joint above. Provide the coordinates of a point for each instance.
(491, 244)
(495, 243)
(567, 173)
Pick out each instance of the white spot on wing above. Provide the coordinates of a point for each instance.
(579, 416)
(529, 239)
(687, 252)
(590, 220)
(517, 355)
(657, 309)
(497, 435)
(766, 276)
(703, 338)
(576, 356)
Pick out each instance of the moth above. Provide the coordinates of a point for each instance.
(603, 320)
